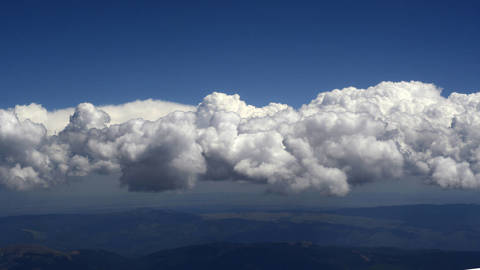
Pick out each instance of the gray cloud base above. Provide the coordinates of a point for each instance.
(340, 139)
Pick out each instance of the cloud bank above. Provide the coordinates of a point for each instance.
(56, 121)
(341, 139)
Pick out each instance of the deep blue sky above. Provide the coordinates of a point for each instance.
(61, 53)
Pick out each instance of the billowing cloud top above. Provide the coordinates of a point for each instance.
(340, 139)
(57, 120)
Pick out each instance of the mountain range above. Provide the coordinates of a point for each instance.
(240, 256)
(144, 231)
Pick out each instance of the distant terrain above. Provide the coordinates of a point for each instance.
(240, 256)
(391, 237)
(143, 231)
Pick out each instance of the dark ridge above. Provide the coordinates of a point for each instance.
(232, 256)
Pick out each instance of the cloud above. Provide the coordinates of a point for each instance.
(341, 139)
(56, 121)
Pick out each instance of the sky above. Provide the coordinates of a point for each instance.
(61, 53)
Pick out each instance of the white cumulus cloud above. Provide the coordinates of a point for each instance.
(342, 138)
(56, 121)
